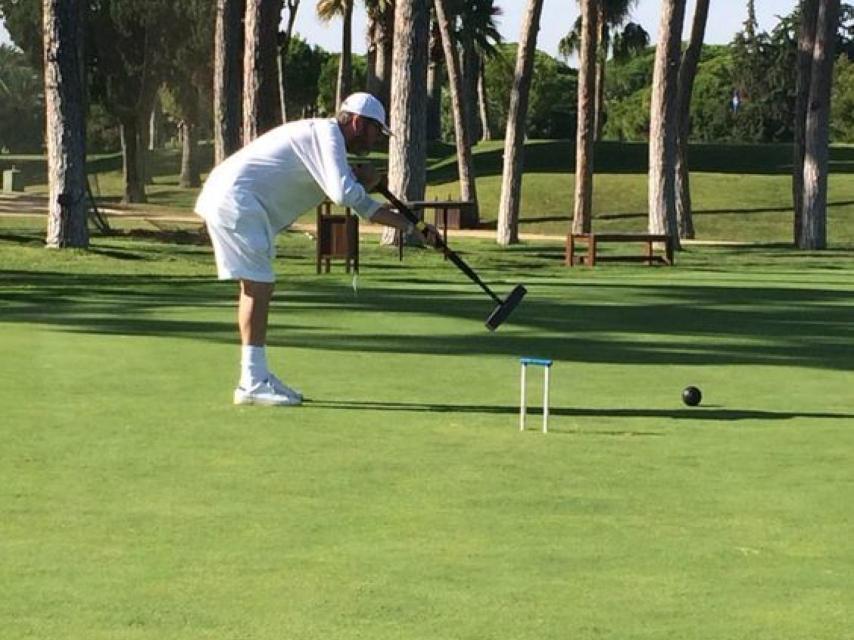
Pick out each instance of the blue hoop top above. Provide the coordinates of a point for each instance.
(542, 362)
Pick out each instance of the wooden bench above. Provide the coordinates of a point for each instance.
(592, 240)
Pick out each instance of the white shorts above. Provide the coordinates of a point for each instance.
(244, 250)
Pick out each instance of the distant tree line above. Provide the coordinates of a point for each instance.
(21, 103)
(758, 69)
(311, 77)
(226, 70)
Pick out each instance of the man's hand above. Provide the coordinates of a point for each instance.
(430, 236)
(366, 175)
(385, 215)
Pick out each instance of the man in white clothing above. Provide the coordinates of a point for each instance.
(264, 188)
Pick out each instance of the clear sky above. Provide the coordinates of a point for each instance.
(725, 19)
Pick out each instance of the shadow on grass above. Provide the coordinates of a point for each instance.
(709, 414)
(117, 254)
(23, 239)
(567, 319)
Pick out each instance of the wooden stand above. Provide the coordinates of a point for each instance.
(337, 237)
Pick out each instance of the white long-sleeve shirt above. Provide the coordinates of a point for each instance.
(282, 174)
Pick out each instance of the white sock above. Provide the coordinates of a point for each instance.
(253, 365)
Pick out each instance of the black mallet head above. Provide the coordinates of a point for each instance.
(691, 396)
(504, 309)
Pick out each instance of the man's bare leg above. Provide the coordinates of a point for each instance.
(253, 311)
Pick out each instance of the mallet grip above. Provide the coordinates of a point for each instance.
(405, 211)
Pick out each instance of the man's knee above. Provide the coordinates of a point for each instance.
(253, 289)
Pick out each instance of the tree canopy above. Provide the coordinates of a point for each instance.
(134, 46)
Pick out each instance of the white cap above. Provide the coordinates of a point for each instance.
(364, 104)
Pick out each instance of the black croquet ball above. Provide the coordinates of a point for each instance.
(691, 396)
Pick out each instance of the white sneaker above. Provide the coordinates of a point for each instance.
(281, 387)
(264, 393)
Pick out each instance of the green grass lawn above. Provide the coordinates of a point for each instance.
(402, 501)
(740, 192)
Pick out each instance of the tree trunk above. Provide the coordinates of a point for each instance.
(468, 188)
(407, 169)
(134, 190)
(434, 100)
(65, 133)
(582, 218)
(372, 80)
(261, 108)
(228, 77)
(468, 79)
(282, 56)
(435, 81)
(685, 87)
(664, 123)
(151, 81)
(816, 157)
(155, 124)
(145, 142)
(189, 154)
(384, 56)
(601, 57)
(806, 45)
(345, 66)
(514, 141)
(485, 127)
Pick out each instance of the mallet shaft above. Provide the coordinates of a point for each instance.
(452, 255)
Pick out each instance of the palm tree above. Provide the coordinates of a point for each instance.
(468, 190)
(813, 233)
(261, 108)
(511, 183)
(685, 87)
(407, 169)
(479, 37)
(631, 41)
(327, 10)
(65, 133)
(581, 221)
(664, 123)
(571, 42)
(610, 16)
